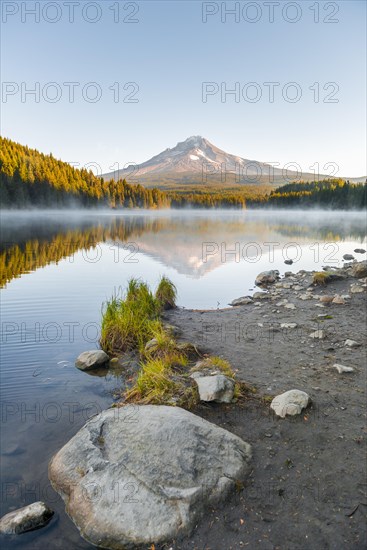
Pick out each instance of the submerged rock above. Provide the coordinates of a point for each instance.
(290, 403)
(25, 519)
(141, 474)
(218, 388)
(91, 359)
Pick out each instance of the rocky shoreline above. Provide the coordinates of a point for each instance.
(307, 487)
(279, 466)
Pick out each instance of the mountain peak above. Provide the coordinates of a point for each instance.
(194, 141)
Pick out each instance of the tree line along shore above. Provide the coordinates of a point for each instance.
(29, 178)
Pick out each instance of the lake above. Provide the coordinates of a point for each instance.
(58, 268)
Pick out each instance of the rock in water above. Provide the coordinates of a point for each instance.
(215, 388)
(291, 402)
(267, 277)
(141, 474)
(359, 251)
(25, 519)
(348, 257)
(243, 300)
(91, 359)
(288, 262)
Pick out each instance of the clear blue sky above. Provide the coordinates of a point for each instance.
(169, 53)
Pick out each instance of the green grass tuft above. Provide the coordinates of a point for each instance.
(166, 293)
(164, 381)
(320, 278)
(129, 323)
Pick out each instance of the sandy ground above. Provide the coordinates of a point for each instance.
(307, 489)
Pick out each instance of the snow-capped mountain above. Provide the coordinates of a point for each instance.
(196, 160)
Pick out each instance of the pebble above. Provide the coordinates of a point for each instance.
(338, 300)
(288, 325)
(351, 343)
(305, 297)
(326, 299)
(342, 368)
(318, 334)
(290, 306)
(355, 289)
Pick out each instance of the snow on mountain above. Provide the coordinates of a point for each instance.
(196, 160)
(194, 155)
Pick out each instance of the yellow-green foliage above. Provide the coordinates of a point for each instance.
(164, 381)
(214, 363)
(129, 323)
(166, 293)
(163, 343)
(320, 278)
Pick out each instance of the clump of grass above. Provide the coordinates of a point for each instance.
(164, 381)
(214, 364)
(166, 293)
(129, 323)
(320, 278)
(161, 344)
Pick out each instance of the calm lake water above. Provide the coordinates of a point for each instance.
(57, 270)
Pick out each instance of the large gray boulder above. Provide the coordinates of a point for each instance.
(25, 519)
(267, 277)
(92, 359)
(141, 474)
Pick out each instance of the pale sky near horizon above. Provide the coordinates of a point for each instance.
(171, 50)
